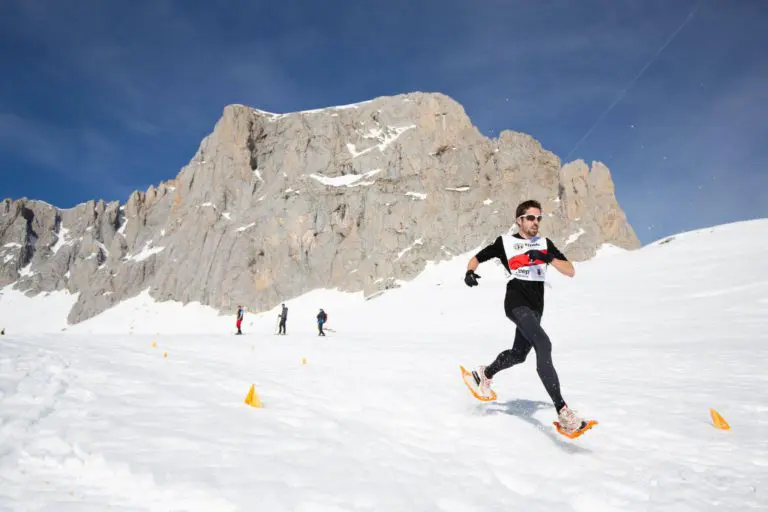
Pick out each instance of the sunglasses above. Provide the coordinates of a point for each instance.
(531, 218)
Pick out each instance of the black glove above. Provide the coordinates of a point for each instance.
(471, 278)
(538, 255)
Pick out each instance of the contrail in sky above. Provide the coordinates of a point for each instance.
(634, 80)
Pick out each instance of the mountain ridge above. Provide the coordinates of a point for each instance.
(273, 205)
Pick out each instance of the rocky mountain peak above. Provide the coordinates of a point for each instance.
(271, 206)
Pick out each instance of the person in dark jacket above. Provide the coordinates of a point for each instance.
(322, 317)
(283, 319)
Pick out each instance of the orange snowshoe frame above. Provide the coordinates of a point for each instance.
(468, 375)
(578, 433)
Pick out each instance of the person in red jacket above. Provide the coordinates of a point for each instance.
(240, 315)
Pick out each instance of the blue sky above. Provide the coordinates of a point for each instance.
(101, 98)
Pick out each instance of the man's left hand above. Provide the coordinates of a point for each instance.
(538, 255)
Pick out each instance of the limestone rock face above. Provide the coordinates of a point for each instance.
(274, 205)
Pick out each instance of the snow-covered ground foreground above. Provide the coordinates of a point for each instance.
(378, 418)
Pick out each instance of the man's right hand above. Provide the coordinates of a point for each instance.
(470, 278)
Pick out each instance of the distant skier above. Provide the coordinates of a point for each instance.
(525, 257)
(283, 317)
(240, 315)
(322, 317)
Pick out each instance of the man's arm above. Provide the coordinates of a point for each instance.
(495, 250)
(473, 264)
(559, 261)
(565, 267)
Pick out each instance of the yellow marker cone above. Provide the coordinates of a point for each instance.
(303, 360)
(154, 344)
(253, 398)
(718, 420)
(165, 355)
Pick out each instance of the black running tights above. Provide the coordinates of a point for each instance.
(529, 334)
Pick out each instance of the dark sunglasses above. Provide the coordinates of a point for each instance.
(531, 218)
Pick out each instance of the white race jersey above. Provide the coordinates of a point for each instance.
(520, 265)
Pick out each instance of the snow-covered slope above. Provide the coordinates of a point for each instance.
(378, 419)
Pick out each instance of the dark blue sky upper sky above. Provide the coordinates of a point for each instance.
(101, 98)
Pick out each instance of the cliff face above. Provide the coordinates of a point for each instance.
(274, 205)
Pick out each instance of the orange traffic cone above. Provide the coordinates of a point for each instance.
(718, 420)
(252, 398)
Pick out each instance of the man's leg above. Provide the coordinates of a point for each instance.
(516, 355)
(529, 324)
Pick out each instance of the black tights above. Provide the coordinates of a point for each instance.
(529, 334)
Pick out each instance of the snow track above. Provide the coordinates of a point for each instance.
(646, 342)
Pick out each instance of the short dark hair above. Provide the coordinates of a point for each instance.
(522, 207)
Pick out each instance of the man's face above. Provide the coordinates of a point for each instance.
(529, 222)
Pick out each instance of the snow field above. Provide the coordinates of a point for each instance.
(378, 419)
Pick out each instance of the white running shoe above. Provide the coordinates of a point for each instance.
(483, 383)
(569, 421)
